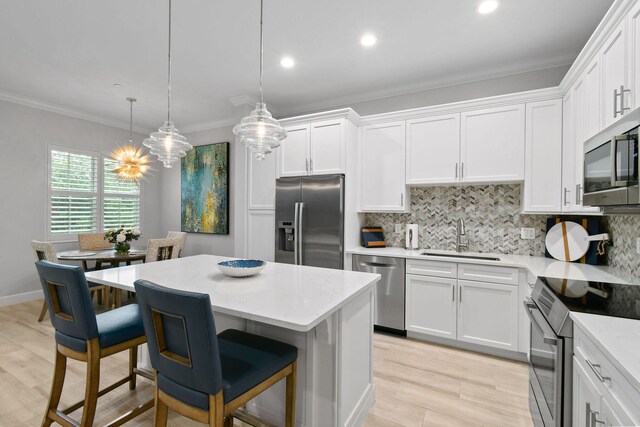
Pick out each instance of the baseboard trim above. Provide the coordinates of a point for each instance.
(19, 298)
(367, 400)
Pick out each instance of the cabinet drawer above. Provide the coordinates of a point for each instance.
(488, 273)
(432, 268)
(612, 380)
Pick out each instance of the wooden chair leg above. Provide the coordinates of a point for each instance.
(100, 296)
(107, 298)
(228, 421)
(133, 362)
(216, 411)
(59, 372)
(118, 297)
(290, 414)
(92, 383)
(43, 312)
(161, 412)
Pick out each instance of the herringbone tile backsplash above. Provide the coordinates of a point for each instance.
(493, 221)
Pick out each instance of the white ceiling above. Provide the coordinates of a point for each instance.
(69, 53)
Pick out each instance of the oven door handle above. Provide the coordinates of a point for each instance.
(549, 337)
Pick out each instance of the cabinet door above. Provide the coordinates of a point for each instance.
(634, 56)
(594, 98)
(613, 72)
(261, 237)
(261, 182)
(611, 417)
(568, 159)
(327, 149)
(488, 314)
(382, 167)
(492, 144)
(433, 150)
(586, 397)
(294, 151)
(431, 305)
(543, 168)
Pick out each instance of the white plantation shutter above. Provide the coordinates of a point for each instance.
(121, 202)
(73, 195)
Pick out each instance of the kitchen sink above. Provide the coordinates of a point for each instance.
(453, 255)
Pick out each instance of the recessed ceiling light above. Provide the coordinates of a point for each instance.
(287, 62)
(368, 40)
(487, 6)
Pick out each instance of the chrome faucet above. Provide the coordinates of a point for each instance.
(460, 231)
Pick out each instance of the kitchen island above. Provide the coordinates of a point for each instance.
(327, 314)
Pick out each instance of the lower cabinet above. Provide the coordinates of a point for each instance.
(586, 397)
(474, 312)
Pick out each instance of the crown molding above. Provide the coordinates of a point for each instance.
(460, 79)
(65, 111)
(614, 16)
(213, 124)
(342, 113)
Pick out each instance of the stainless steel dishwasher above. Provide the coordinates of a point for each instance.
(389, 311)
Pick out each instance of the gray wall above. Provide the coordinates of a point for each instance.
(24, 135)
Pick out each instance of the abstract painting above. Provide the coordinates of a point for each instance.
(205, 189)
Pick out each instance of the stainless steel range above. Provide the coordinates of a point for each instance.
(551, 342)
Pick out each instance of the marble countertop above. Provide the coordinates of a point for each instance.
(538, 266)
(618, 339)
(289, 296)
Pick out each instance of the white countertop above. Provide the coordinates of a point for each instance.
(538, 266)
(289, 296)
(618, 339)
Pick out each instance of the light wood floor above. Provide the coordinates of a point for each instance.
(417, 384)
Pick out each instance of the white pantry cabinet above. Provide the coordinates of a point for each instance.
(431, 305)
(492, 144)
(433, 149)
(381, 162)
(315, 148)
(261, 234)
(543, 154)
(261, 182)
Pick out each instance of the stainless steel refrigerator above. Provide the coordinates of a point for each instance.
(310, 221)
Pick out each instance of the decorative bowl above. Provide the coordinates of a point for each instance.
(242, 267)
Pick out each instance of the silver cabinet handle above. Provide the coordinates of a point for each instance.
(402, 200)
(311, 165)
(456, 170)
(462, 171)
(453, 293)
(578, 193)
(622, 92)
(566, 190)
(306, 165)
(460, 295)
(595, 367)
(592, 417)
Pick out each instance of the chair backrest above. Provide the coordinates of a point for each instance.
(182, 236)
(181, 336)
(93, 241)
(162, 249)
(44, 251)
(67, 295)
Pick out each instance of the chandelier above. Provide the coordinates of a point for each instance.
(131, 163)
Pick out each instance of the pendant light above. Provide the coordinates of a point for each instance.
(167, 143)
(131, 163)
(259, 130)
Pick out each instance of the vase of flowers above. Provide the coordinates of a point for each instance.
(121, 238)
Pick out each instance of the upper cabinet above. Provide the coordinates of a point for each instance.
(315, 148)
(433, 150)
(633, 31)
(381, 157)
(492, 144)
(616, 89)
(543, 167)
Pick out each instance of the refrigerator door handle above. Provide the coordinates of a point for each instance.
(300, 221)
(296, 233)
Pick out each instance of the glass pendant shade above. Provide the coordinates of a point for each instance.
(167, 144)
(260, 131)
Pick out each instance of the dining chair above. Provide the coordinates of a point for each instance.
(84, 336)
(178, 235)
(162, 249)
(92, 242)
(203, 375)
(45, 251)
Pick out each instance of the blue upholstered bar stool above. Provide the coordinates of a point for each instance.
(81, 335)
(202, 375)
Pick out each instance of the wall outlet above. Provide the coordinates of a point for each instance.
(398, 228)
(638, 245)
(527, 233)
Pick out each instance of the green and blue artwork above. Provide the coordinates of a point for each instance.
(205, 189)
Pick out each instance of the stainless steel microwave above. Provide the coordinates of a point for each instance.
(611, 172)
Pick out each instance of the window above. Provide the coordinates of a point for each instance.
(84, 198)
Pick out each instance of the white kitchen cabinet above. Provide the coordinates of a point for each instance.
(431, 305)
(261, 234)
(543, 154)
(382, 167)
(633, 30)
(568, 159)
(488, 314)
(586, 397)
(492, 144)
(614, 74)
(261, 182)
(433, 149)
(594, 98)
(294, 151)
(327, 147)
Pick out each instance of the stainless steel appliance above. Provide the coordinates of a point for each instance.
(611, 172)
(389, 310)
(551, 341)
(310, 221)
